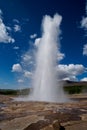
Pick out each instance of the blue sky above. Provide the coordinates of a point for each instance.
(20, 29)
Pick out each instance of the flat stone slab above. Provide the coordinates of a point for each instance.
(41, 115)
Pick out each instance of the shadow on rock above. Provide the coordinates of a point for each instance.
(44, 125)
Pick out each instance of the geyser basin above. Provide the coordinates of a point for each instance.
(45, 81)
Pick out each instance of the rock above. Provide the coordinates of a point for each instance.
(43, 116)
(56, 125)
(32, 126)
(84, 117)
(38, 125)
(49, 127)
(42, 125)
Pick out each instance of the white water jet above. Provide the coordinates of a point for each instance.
(45, 81)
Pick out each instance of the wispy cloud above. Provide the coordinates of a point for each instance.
(85, 50)
(26, 58)
(15, 47)
(60, 56)
(84, 26)
(16, 21)
(1, 13)
(20, 81)
(33, 36)
(23, 69)
(4, 34)
(17, 28)
(27, 74)
(84, 19)
(84, 23)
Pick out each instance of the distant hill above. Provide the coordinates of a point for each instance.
(72, 87)
(76, 83)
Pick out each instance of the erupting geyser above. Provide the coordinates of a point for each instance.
(46, 86)
(45, 81)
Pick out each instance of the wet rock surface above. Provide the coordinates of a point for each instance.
(43, 115)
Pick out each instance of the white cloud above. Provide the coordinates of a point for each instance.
(17, 28)
(37, 42)
(60, 56)
(27, 63)
(4, 34)
(71, 78)
(84, 19)
(27, 74)
(15, 47)
(33, 36)
(20, 80)
(84, 79)
(85, 49)
(16, 68)
(84, 23)
(70, 71)
(26, 57)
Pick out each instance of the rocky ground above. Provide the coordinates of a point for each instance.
(42, 115)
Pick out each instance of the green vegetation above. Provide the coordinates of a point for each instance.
(75, 89)
(8, 92)
(14, 92)
(70, 89)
